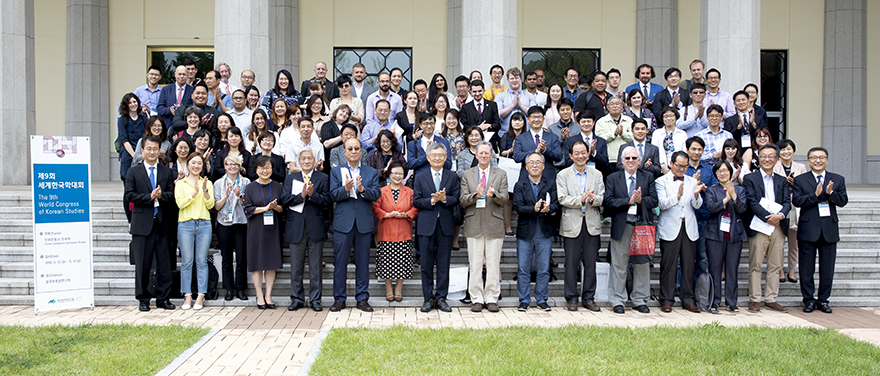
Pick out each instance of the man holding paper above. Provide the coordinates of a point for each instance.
(305, 195)
(768, 197)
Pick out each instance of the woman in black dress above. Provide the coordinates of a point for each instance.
(263, 210)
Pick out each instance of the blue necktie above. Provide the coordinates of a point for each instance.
(153, 186)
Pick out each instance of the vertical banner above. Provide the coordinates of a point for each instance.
(61, 172)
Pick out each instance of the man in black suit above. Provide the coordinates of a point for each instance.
(744, 123)
(435, 193)
(200, 101)
(330, 89)
(648, 153)
(305, 230)
(149, 187)
(480, 112)
(598, 147)
(674, 96)
(818, 195)
(171, 97)
(764, 184)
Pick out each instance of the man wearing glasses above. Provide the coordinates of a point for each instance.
(536, 140)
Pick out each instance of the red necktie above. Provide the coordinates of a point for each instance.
(483, 180)
(479, 107)
(179, 95)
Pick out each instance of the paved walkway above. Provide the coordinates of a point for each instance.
(277, 342)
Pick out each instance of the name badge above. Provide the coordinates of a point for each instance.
(824, 210)
(725, 224)
(481, 202)
(746, 141)
(268, 218)
(633, 209)
(156, 203)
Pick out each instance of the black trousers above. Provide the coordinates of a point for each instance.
(145, 248)
(682, 250)
(724, 255)
(582, 250)
(233, 238)
(436, 248)
(827, 256)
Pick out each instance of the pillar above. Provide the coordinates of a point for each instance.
(656, 36)
(17, 94)
(453, 41)
(489, 36)
(284, 38)
(241, 38)
(730, 41)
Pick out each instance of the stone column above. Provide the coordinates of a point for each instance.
(17, 94)
(241, 38)
(844, 114)
(483, 46)
(657, 36)
(88, 108)
(284, 38)
(453, 41)
(730, 41)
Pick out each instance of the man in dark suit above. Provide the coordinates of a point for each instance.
(535, 201)
(537, 140)
(644, 74)
(480, 112)
(149, 188)
(759, 185)
(416, 155)
(435, 192)
(199, 100)
(305, 229)
(674, 96)
(330, 89)
(598, 147)
(745, 122)
(173, 96)
(648, 153)
(353, 187)
(818, 194)
(359, 88)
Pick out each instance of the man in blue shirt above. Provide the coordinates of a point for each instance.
(149, 93)
(702, 171)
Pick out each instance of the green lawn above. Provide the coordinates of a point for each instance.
(578, 350)
(92, 349)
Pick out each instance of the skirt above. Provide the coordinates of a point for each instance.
(394, 260)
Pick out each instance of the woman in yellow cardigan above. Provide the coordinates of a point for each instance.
(195, 198)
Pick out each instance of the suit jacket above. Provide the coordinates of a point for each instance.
(179, 123)
(655, 89)
(588, 100)
(168, 98)
(673, 209)
(488, 221)
(797, 169)
(417, 159)
(600, 159)
(525, 145)
(368, 89)
(651, 152)
(715, 205)
(524, 204)
(350, 212)
(471, 117)
(573, 214)
(311, 220)
(137, 193)
(810, 224)
(617, 200)
(731, 124)
(754, 185)
(330, 89)
(395, 229)
(663, 99)
(436, 217)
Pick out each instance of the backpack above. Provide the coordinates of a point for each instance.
(704, 292)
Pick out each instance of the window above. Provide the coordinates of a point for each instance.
(168, 58)
(376, 60)
(555, 62)
(774, 67)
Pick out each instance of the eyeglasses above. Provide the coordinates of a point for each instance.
(534, 163)
(231, 165)
(353, 148)
(247, 77)
(818, 158)
(768, 156)
(682, 166)
(714, 116)
(630, 158)
(264, 168)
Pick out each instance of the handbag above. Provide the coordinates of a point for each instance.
(642, 244)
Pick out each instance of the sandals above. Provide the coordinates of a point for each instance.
(398, 298)
(733, 309)
(714, 310)
(389, 297)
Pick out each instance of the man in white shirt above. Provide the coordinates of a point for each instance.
(693, 117)
(359, 87)
(461, 88)
(306, 140)
(513, 100)
(614, 84)
(239, 111)
(532, 88)
(713, 136)
(225, 72)
(714, 94)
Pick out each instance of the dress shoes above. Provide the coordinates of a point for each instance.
(295, 306)
(316, 306)
(591, 305)
(544, 306)
(337, 306)
(523, 307)
(428, 305)
(572, 306)
(642, 309)
(443, 306)
(241, 295)
(492, 307)
(776, 307)
(477, 307)
(809, 306)
(666, 308)
(166, 304)
(229, 295)
(144, 306)
(365, 306)
(824, 307)
(754, 307)
(618, 309)
(692, 307)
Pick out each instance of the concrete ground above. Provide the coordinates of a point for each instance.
(248, 341)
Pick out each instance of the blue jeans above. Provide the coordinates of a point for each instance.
(194, 237)
(538, 248)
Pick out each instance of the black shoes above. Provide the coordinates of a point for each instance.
(809, 306)
(144, 306)
(642, 309)
(241, 295)
(295, 306)
(167, 305)
(544, 306)
(337, 306)
(363, 305)
(618, 309)
(824, 307)
(443, 306)
(229, 295)
(427, 305)
(316, 306)
(523, 307)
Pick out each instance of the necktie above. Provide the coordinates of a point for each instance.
(678, 178)
(647, 94)
(479, 107)
(746, 124)
(537, 140)
(640, 151)
(437, 182)
(306, 178)
(153, 186)
(179, 95)
(819, 179)
(483, 181)
(632, 185)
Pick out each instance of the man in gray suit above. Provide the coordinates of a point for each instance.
(581, 191)
(483, 195)
(359, 88)
(649, 153)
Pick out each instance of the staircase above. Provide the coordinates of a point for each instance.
(855, 281)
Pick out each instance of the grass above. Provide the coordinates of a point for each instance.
(578, 350)
(92, 349)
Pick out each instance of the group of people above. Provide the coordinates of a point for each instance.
(413, 167)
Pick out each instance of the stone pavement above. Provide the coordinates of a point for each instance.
(248, 341)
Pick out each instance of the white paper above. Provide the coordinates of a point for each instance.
(488, 136)
(603, 270)
(547, 200)
(761, 225)
(633, 210)
(746, 141)
(346, 176)
(458, 278)
(824, 209)
(296, 188)
(771, 206)
(648, 121)
(512, 169)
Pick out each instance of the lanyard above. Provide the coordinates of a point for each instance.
(261, 192)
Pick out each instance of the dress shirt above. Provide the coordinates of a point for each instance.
(393, 99)
(769, 193)
(714, 143)
(540, 97)
(427, 141)
(640, 147)
(357, 90)
(721, 98)
(149, 98)
(572, 95)
(242, 120)
(672, 95)
(292, 152)
(816, 177)
(506, 99)
(540, 135)
(372, 129)
(689, 123)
